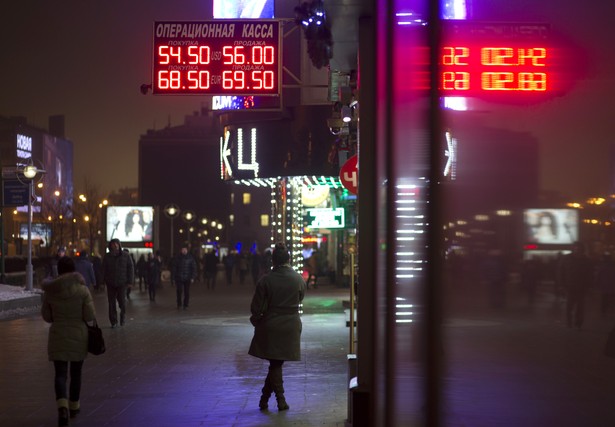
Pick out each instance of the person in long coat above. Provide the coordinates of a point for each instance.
(67, 305)
(277, 325)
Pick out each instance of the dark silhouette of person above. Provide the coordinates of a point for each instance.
(578, 275)
(154, 268)
(605, 282)
(530, 277)
(118, 273)
(277, 324)
(210, 268)
(67, 305)
(183, 274)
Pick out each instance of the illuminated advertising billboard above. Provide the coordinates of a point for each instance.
(551, 226)
(133, 224)
(40, 231)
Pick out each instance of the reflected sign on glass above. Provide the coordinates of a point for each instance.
(499, 59)
(551, 226)
(228, 57)
(476, 68)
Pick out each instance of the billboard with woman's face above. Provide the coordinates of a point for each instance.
(551, 226)
(130, 223)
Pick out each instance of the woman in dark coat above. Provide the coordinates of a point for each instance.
(277, 324)
(67, 305)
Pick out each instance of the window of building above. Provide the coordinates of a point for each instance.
(247, 198)
(265, 220)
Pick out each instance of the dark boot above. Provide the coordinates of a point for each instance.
(277, 384)
(62, 417)
(73, 409)
(267, 390)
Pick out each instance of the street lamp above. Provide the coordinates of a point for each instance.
(188, 217)
(28, 173)
(171, 211)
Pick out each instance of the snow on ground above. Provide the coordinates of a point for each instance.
(8, 293)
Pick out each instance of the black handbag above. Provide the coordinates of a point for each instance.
(96, 341)
(609, 348)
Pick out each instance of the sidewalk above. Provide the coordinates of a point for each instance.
(170, 368)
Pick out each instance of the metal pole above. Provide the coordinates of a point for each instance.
(29, 284)
(171, 237)
(351, 303)
(2, 269)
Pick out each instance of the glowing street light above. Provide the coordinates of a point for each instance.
(171, 211)
(29, 173)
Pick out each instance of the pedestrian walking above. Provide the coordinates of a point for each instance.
(229, 265)
(577, 276)
(85, 267)
(242, 265)
(183, 274)
(255, 266)
(496, 274)
(312, 269)
(52, 268)
(67, 305)
(134, 269)
(530, 278)
(277, 324)
(210, 268)
(118, 274)
(605, 281)
(154, 268)
(141, 269)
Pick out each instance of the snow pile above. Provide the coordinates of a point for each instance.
(9, 293)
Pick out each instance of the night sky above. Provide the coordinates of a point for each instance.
(87, 60)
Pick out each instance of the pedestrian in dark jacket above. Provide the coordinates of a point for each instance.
(277, 324)
(52, 269)
(183, 274)
(85, 267)
(211, 268)
(118, 274)
(141, 269)
(154, 267)
(605, 281)
(578, 273)
(67, 305)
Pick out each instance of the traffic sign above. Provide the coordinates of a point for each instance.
(14, 193)
(349, 175)
(9, 172)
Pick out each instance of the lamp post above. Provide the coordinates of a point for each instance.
(28, 173)
(188, 217)
(171, 211)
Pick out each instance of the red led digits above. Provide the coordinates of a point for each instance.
(221, 57)
(471, 70)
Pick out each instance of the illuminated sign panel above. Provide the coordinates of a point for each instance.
(325, 218)
(491, 59)
(468, 69)
(279, 147)
(229, 57)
